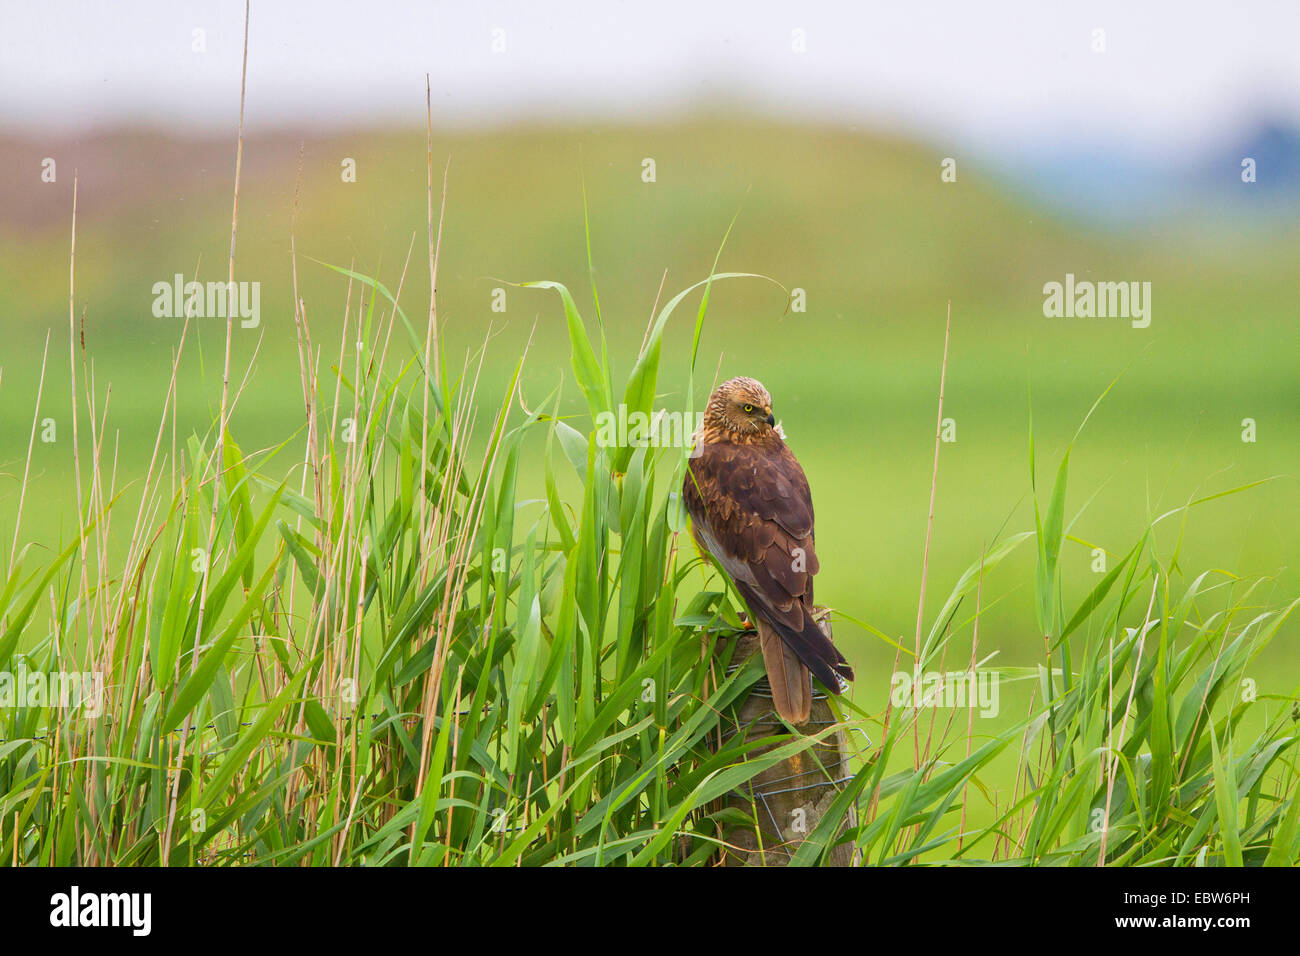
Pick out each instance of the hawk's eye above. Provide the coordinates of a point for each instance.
(748, 408)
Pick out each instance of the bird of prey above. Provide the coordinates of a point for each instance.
(751, 509)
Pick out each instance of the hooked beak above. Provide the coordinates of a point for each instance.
(770, 419)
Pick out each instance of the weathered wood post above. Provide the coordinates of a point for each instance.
(790, 798)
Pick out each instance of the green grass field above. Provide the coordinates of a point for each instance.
(864, 226)
(879, 246)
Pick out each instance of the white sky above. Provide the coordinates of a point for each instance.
(1018, 72)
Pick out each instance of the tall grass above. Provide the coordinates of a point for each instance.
(410, 649)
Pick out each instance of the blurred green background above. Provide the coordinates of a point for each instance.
(863, 224)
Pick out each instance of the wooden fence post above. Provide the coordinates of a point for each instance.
(790, 798)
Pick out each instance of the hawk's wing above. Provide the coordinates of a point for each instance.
(752, 510)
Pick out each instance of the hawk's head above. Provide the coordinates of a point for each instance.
(739, 409)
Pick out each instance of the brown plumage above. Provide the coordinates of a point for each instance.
(751, 509)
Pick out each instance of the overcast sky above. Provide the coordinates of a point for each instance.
(1024, 72)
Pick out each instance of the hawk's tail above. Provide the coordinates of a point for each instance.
(788, 678)
(812, 645)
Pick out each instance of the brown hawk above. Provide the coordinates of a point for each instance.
(751, 509)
